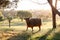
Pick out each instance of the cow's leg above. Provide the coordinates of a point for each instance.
(32, 29)
(27, 28)
(39, 28)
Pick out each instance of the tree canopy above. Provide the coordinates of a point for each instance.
(24, 14)
(3, 3)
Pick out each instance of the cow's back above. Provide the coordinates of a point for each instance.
(35, 22)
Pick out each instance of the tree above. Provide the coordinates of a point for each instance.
(9, 15)
(24, 14)
(4, 3)
(56, 4)
(9, 20)
(13, 4)
(54, 12)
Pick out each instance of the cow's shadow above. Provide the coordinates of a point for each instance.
(45, 36)
(25, 35)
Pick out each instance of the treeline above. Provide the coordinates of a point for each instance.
(9, 15)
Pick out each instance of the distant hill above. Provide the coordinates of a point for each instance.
(37, 13)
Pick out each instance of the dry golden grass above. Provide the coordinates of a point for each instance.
(18, 32)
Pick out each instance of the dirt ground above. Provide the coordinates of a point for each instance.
(17, 31)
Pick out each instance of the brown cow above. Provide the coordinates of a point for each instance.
(33, 22)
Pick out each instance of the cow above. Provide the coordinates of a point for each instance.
(33, 22)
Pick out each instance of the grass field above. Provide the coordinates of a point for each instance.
(17, 31)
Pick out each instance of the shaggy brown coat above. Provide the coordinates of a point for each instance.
(33, 22)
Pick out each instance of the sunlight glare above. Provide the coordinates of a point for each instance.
(27, 4)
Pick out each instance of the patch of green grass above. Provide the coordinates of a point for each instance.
(51, 35)
(56, 36)
(6, 29)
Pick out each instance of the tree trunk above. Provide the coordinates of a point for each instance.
(9, 23)
(54, 20)
(53, 14)
(56, 4)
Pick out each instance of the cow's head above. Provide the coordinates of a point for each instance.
(26, 19)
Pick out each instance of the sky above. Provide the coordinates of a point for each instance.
(31, 5)
(28, 4)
